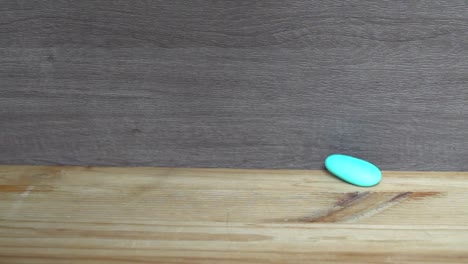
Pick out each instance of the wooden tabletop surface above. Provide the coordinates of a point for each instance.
(56, 214)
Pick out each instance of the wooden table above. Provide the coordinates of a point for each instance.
(61, 214)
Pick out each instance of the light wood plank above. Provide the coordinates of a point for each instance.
(53, 214)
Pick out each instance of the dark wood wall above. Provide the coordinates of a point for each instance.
(250, 84)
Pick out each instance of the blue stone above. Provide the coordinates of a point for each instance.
(353, 170)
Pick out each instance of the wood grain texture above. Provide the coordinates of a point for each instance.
(249, 84)
(164, 215)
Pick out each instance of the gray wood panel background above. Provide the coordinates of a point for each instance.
(249, 84)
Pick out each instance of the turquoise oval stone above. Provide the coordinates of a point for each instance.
(353, 170)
